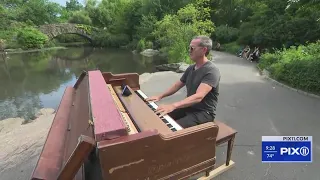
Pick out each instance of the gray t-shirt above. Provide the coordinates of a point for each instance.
(209, 74)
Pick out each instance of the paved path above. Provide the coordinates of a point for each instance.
(256, 107)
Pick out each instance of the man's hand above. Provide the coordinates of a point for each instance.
(154, 98)
(165, 109)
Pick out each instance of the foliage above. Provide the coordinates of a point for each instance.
(296, 66)
(267, 59)
(141, 45)
(145, 28)
(144, 44)
(2, 44)
(80, 17)
(266, 23)
(85, 28)
(73, 5)
(232, 48)
(104, 38)
(174, 32)
(31, 38)
(225, 34)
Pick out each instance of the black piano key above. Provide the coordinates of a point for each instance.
(169, 125)
(174, 129)
(164, 120)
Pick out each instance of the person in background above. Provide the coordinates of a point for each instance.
(202, 83)
(254, 55)
(245, 52)
(218, 46)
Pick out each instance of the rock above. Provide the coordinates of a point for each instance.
(168, 67)
(176, 67)
(134, 51)
(182, 68)
(21, 145)
(149, 52)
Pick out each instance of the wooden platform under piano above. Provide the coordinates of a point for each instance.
(104, 129)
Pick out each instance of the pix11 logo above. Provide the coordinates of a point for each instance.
(291, 151)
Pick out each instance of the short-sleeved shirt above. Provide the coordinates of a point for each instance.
(209, 74)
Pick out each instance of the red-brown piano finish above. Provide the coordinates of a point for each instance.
(106, 117)
(150, 154)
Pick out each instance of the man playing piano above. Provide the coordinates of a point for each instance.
(202, 83)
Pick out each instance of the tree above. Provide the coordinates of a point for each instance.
(73, 5)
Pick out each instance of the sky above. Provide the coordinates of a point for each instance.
(63, 2)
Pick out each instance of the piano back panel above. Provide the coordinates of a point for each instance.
(51, 157)
(140, 112)
(152, 156)
(130, 79)
(108, 123)
(79, 117)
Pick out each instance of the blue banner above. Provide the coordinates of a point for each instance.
(287, 149)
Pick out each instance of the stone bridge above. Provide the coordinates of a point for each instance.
(53, 30)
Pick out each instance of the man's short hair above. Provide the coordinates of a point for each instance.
(205, 41)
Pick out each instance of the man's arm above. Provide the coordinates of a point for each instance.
(211, 80)
(173, 89)
(202, 91)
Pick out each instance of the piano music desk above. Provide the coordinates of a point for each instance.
(225, 134)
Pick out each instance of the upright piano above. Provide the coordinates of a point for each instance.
(105, 129)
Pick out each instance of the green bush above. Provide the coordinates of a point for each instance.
(149, 45)
(106, 39)
(29, 38)
(298, 67)
(80, 17)
(141, 45)
(232, 47)
(174, 32)
(268, 59)
(225, 34)
(9, 38)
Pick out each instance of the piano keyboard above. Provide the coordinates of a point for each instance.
(172, 124)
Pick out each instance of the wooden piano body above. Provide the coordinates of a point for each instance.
(100, 132)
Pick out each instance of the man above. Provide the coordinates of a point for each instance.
(202, 83)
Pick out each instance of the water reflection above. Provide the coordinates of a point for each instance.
(31, 81)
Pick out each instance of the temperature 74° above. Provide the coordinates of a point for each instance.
(270, 155)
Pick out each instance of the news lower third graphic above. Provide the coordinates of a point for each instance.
(284, 149)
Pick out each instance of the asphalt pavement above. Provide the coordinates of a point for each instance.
(255, 107)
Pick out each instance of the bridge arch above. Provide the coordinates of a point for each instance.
(53, 30)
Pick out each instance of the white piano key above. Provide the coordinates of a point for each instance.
(172, 122)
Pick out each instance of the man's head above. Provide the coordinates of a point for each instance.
(200, 47)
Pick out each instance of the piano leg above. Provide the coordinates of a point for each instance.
(229, 150)
(208, 172)
(224, 167)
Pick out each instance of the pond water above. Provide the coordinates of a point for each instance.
(31, 81)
